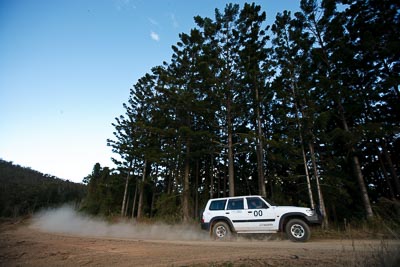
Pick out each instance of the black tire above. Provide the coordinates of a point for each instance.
(297, 230)
(221, 231)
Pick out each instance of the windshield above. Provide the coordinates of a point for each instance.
(272, 203)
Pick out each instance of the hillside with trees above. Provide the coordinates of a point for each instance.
(24, 191)
(304, 112)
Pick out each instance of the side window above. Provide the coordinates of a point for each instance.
(256, 203)
(235, 204)
(218, 204)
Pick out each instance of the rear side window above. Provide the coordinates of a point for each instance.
(218, 204)
(235, 204)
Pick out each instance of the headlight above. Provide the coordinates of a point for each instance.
(309, 212)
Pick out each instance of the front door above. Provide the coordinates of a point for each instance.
(260, 216)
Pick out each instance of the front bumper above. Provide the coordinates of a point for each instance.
(314, 219)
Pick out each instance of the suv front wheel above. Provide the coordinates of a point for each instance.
(297, 230)
(221, 231)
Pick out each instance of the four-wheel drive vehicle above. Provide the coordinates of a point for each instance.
(253, 214)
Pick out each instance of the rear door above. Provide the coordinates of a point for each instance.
(236, 212)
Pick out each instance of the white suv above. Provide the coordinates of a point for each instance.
(252, 214)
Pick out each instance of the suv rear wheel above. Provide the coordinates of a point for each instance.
(221, 231)
(297, 230)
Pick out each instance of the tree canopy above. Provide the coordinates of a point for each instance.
(304, 111)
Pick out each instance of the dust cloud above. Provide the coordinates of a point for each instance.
(66, 220)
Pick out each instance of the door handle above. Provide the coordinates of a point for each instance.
(226, 212)
(250, 212)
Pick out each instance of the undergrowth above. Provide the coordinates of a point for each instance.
(376, 228)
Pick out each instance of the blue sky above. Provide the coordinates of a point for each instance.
(66, 67)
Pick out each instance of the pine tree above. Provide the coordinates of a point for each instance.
(255, 71)
(319, 19)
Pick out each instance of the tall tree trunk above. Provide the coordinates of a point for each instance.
(231, 171)
(224, 184)
(320, 196)
(141, 191)
(260, 169)
(310, 194)
(260, 149)
(299, 124)
(170, 174)
(186, 186)
(153, 200)
(212, 175)
(134, 200)
(360, 178)
(126, 206)
(126, 190)
(196, 192)
(357, 170)
(391, 167)
(391, 192)
(169, 180)
(219, 184)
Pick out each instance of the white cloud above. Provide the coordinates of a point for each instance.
(174, 21)
(155, 36)
(123, 4)
(152, 21)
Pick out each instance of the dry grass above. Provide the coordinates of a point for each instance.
(387, 254)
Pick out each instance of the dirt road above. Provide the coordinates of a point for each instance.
(23, 245)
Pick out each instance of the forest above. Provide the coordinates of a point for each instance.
(303, 112)
(24, 191)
